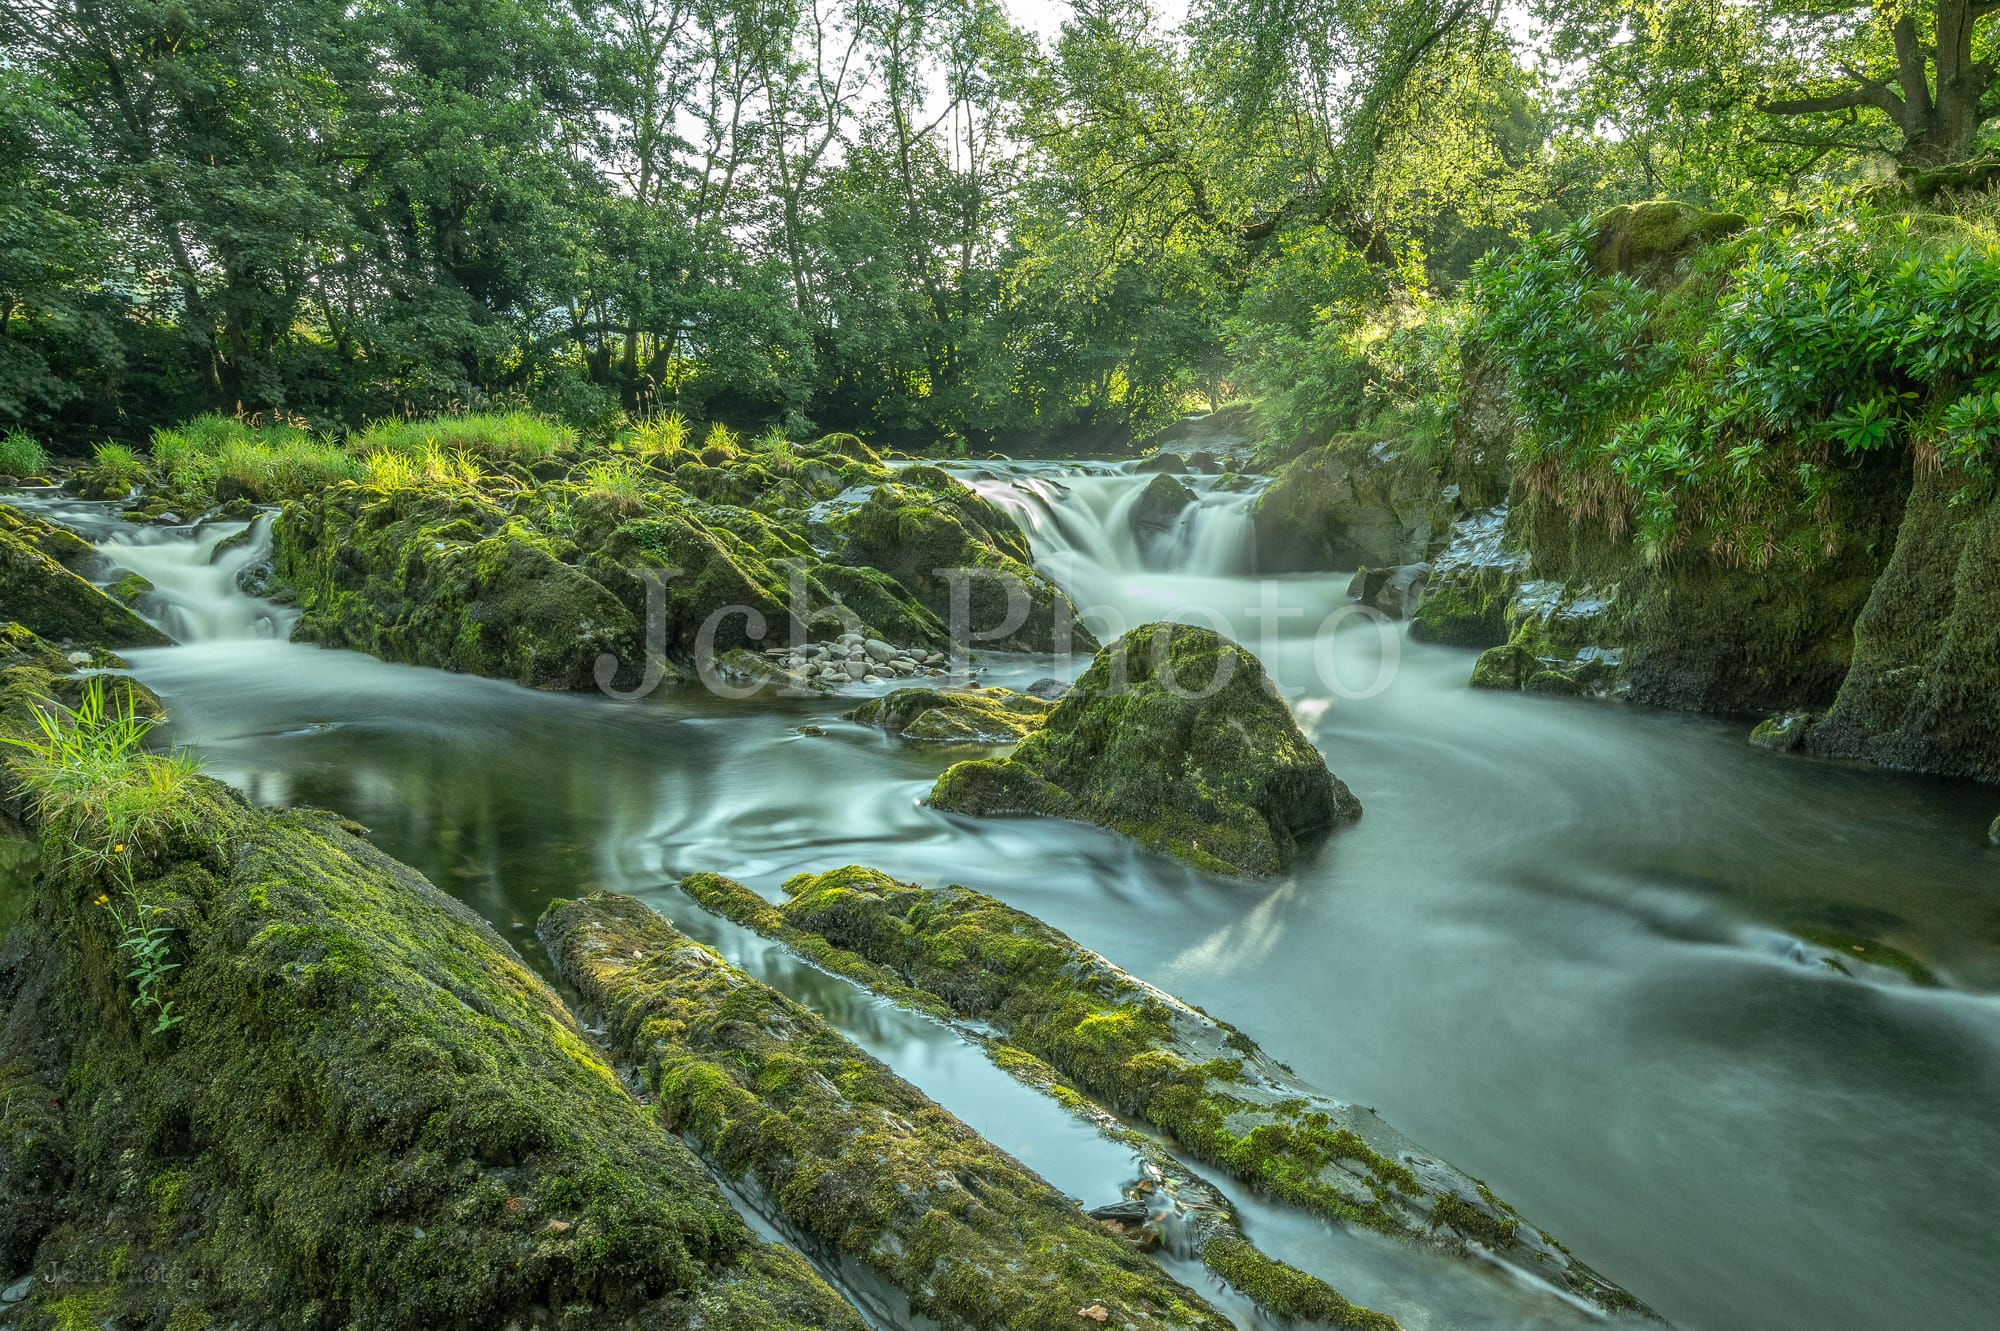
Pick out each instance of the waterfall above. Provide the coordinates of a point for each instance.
(1090, 516)
(197, 571)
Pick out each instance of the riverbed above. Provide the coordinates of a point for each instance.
(1580, 949)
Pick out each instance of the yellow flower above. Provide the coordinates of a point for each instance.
(118, 849)
(103, 901)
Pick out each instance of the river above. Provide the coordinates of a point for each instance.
(1566, 947)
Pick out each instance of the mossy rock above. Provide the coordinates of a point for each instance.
(1644, 239)
(955, 716)
(370, 1114)
(47, 597)
(941, 541)
(1159, 506)
(448, 581)
(1174, 737)
(1925, 678)
(1352, 502)
(847, 1151)
(1146, 1054)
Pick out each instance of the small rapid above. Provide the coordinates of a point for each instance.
(1563, 948)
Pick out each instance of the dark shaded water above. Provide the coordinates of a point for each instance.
(1565, 947)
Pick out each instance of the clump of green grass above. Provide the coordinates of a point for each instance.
(101, 798)
(22, 455)
(427, 468)
(659, 436)
(118, 467)
(269, 463)
(512, 436)
(616, 483)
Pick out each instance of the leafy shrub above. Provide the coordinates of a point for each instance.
(1836, 332)
(513, 436)
(22, 455)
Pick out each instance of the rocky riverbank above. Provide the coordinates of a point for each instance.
(1846, 590)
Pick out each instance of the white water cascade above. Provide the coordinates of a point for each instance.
(1087, 529)
(196, 571)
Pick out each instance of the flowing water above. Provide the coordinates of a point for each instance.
(1578, 949)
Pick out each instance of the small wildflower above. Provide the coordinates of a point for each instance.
(102, 900)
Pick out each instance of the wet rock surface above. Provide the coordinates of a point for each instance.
(42, 588)
(1143, 1052)
(1173, 737)
(847, 1150)
(955, 716)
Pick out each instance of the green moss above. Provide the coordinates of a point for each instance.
(1175, 738)
(1640, 239)
(1142, 1053)
(47, 597)
(371, 1113)
(1349, 503)
(955, 716)
(848, 1151)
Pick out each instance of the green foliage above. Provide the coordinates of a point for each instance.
(1785, 355)
(117, 468)
(214, 457)
(22, 455)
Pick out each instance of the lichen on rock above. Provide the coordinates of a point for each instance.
(845, 1149)
(1173, 737)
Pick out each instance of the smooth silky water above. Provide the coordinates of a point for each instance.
(1561, 948)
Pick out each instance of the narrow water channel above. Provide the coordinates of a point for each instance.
(1581, 950)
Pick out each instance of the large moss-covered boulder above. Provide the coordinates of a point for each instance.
(41, 589)
(1350, 503)
(1924, 687)
(447, 580)
(1176, 738)
(1645, 239)
(367, 1111)
(955, 716)
(943, 542)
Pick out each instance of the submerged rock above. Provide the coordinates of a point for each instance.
(955, 716)
(41, 589)
(1173, 737)
(1783, 734)
(368, 1112)
(844, 1148)
(1147, 1054)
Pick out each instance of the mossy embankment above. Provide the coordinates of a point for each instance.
(678, 558)
(1191, 1213)
(845, 1149)
(1749, 467)
(1175, 738)
(259, 1074)
(1143, 1053)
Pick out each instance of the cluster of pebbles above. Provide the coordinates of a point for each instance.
(854, 659)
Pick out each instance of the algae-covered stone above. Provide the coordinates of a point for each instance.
(1350, 502)
(1175, 738)
(955, 716)
(845, 1149)
(1464, 600)
(1147, 1054)
(1159, 506)
(1783, 734)
(43, 593)
(1166, 1195)
(370, 1112)
(1924, 684)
